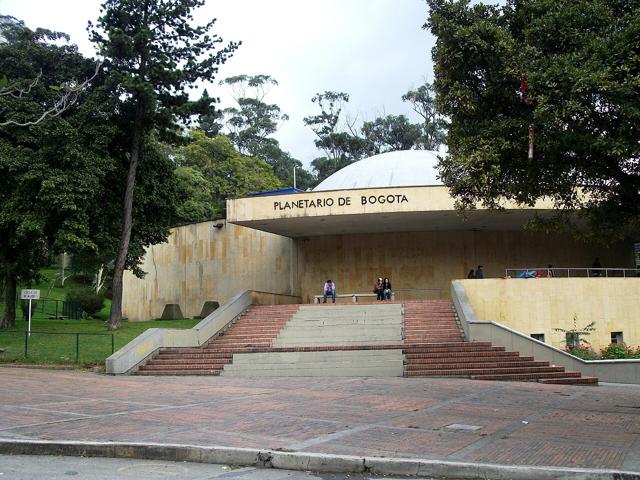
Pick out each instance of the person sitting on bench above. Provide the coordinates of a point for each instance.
(329, 289)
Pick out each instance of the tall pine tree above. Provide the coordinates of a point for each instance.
(153, 53)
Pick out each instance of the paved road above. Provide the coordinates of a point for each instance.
(66, 468)
(438, 419)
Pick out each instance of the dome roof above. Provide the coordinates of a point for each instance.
(403, 168)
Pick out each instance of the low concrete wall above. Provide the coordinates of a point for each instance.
(540, 305)
(145, 345)
(616, 371)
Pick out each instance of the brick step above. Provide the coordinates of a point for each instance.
(249, 331)
(460, 344)
(474, 365)
(177, 373)
(431, 328)
(246, 336)
(230, 346)
(440, 349)
(257, 326)
(194, 356)
(190, 361)
(416, 314)
(527, 376)
(465, 357)
(434, 339)
(476, 372)
(262, 320)
(430, 335)
(571, 381)
(183, 366)
(470, 355)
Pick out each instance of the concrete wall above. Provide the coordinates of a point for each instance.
(430, 260)
(200, 262)
(540, 305)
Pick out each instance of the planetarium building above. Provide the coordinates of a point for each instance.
(384, 216)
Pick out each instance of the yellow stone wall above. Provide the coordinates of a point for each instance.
(539, 305)
(427, 260)
(200, 262)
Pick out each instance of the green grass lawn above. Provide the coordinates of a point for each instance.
(58, 344)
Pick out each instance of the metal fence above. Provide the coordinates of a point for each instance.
(56, 347)
(570, 272)
(48, 309)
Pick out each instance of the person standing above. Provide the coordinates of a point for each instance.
(329, 290)
(596, 266)
(386, 289)
(479, 272)
(378, 290)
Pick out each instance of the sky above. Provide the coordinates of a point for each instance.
(375, 50)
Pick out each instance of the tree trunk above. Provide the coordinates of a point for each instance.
(115, 316)
(8, 319)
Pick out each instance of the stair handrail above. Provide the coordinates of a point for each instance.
(615, 371)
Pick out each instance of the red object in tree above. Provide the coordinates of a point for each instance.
(523, 86)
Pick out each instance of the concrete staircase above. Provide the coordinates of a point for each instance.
(335, 340)
(412, 338)
(435, 347)
(255, 330)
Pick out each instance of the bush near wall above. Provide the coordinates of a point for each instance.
(612, 351)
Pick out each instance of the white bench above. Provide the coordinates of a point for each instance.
(354, 296)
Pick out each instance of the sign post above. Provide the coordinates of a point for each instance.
(29, 295)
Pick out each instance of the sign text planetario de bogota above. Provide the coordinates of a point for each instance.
(339, 201)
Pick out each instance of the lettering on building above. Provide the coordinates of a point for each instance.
(339, 201)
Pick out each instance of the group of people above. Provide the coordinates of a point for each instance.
(478, 273)
(382, 289)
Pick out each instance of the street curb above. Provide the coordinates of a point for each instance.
(304, 461)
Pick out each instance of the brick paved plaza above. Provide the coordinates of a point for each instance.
(519, 423)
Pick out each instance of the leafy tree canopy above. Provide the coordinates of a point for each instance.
(252, 122)
(51, 170)
(225, 172)
(543, 98)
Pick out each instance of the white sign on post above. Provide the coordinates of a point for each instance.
(29, 295)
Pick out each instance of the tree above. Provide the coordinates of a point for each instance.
(391, 133)
(226, 172)
(433, 125)
(49, 168)
(153, 53)
(340, 147)
(252, 123)
(542, 98)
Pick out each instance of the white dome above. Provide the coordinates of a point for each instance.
(403, 168)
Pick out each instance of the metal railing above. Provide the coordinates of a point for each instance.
(49, 309)
(570, 272)
(36, 341)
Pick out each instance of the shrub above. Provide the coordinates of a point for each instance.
(615, 350)
(90, 301)
(583, 351)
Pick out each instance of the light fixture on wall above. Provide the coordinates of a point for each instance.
(218, 225)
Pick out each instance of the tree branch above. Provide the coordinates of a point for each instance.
(68, 98)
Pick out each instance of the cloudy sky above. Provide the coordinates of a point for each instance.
(375, 50)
